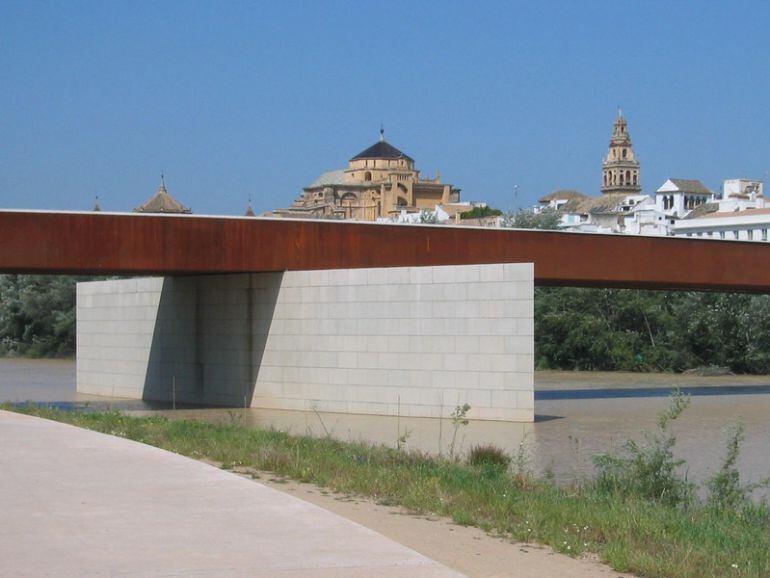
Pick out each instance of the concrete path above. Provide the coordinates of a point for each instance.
(79, 503)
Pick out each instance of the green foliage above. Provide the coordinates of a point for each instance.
(459, 418)
(637, 330)
(528, 220)
(480, 213)
(488, 455)
(649, 471)
(725, 490)
(37, 315)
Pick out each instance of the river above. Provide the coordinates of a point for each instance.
(578, 415)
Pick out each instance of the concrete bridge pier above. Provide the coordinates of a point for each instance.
(409, 341)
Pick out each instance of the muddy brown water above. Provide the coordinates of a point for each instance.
(578, 416)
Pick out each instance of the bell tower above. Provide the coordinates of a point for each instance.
(620, 169)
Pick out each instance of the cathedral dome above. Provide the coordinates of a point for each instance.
(382, 150)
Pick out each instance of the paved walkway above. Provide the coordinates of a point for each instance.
(79, 503)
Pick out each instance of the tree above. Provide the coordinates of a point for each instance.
(480, 213)
(529, 220)
(37, 315)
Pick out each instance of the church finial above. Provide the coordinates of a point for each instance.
(620, 112)
(382, 133)
(97, 206)
(249, 210)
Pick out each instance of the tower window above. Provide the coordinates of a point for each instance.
(367, 176)
(624, 153)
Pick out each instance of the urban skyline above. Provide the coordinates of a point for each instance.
(229, 105)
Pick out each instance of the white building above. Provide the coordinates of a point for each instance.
(745, 225)
(633, 214)
(741, 194)
(677, 197)
(741, 214)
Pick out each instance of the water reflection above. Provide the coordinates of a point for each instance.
(578, 416)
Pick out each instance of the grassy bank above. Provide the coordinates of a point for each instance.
(650, 537)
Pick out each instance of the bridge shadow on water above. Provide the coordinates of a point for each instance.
(641, 392)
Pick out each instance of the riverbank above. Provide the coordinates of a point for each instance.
(578, 415)
(629, 533)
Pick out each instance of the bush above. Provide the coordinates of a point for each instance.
(480, 213)
(488, 455)
(649, 471)
(726, 494)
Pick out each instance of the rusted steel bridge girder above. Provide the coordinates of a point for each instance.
(134, 244)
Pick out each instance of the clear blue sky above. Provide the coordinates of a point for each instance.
(233, 99)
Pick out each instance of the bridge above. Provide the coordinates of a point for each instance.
(336, 316)
(135, 244)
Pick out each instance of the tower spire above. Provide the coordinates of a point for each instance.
(620, 168)
(249, 211)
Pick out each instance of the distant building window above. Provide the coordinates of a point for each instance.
(764, 234)
(624, 153)
(751, 234)
(721, 234)
(367, 176)
(735, 235)
(711, 233)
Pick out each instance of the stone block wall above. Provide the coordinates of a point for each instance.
(414, 341)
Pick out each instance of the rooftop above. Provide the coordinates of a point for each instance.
(686, 186)
(162, 202)
(562, 194)
(382, 150)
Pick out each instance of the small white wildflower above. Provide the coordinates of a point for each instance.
(734, 566)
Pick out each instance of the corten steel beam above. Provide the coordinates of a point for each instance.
(132, 244)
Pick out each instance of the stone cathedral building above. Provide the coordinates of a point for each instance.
(620, 169)
(380, 182)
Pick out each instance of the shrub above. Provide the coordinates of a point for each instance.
(480, 213)
(726, 493)
(649, 471)
(488, 455)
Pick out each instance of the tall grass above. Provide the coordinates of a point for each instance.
(629, 527)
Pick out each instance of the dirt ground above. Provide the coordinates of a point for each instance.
(467, 550)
